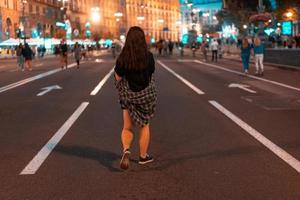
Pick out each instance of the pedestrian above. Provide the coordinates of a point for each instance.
(181, 48)
(137, 93)
(39, 50)
(220, 48)
(63, 54)
(33, 49)
(245, 54)
(77, 53)
(214, 49)
(56, 50)
(171, 46)
(20, 58)
(297, 39)
(113, 50)
(159, 47)
(165, 47)
(194, 48)
(28, 55)
(43, 51)
(83, 52)
(204, 49)
(259, 49)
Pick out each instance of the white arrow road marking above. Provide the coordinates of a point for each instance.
(241, 86)
(28, 80)
(186, 82)
(49, 89)
(281, 153)
(38, 160)
(250, 76)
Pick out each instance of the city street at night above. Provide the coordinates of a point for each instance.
(217, 133)
(149, 100)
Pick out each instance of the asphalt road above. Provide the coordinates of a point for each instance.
(210, 141)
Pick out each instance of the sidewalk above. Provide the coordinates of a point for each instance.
(233, 54)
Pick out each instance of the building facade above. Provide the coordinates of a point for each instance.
(157, 17)
(9, 18)
(39, 18)
(199, 14)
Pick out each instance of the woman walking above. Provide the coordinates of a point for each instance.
(20, 58)
(204, 49)
(245, 54)
(259, 49)
(28, 55)
(77, 53)
(137, 93)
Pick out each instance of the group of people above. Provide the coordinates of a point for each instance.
(24, 56)
(258, 50)
(62, 51)
(165, 47)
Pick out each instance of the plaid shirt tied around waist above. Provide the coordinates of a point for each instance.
(140, 105)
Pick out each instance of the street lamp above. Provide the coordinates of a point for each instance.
(289, 14)
(140, 18)
(95, 14)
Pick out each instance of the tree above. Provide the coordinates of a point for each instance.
(238, 12)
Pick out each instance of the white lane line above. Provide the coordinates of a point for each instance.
(251, 76)
(101, 83)
(14, 70)
(293, 162)
(185, 60)
(28, 80)
(189, 84)
(42, 155)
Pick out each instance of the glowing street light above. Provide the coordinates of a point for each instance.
(95, 14)
(140, 18)
(178, 23)
(289, 14)
(118, 14)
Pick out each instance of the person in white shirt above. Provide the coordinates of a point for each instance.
(214, 49)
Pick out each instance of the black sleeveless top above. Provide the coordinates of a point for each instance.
(137, 79)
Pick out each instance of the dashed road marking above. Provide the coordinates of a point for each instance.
(186, 82)
(42, 155)
(101, 83)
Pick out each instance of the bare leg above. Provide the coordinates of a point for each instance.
(127, 135)
(144, 140)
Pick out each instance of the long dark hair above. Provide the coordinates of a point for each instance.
(134, 53)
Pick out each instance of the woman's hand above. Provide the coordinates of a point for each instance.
(117, 77)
